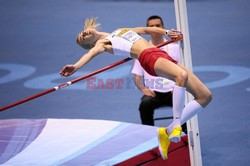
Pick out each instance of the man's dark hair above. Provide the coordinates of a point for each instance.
(155, 17)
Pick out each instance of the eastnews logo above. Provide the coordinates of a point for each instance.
(125, 83)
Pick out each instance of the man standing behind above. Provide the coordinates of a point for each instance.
(155, 95)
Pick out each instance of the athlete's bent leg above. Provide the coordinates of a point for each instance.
(170, 70)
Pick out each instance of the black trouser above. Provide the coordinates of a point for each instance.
(149, 104)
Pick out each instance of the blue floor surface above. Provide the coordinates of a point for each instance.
(39, 37)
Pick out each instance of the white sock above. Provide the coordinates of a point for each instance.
(191, 109)
(178, 104)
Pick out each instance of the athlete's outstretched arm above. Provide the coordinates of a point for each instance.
(173, 34)
(72, 68)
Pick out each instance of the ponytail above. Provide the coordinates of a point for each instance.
(91, 23)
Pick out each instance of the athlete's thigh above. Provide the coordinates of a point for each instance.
(167, 69)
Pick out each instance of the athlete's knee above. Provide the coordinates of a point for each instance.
(181, 78)
(206, 98)
(209, 96)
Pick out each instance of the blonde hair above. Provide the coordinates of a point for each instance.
(90, 23)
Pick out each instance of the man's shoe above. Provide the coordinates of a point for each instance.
(163, 142)
(175, 136)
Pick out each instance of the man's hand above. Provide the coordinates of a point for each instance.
(148, 92)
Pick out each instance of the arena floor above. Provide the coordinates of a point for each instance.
(39, 37)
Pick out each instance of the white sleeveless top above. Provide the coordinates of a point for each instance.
(122, 41)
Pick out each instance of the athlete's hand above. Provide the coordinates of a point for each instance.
(175, 35)
(68, 70)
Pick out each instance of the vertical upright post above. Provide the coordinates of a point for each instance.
(192, 125)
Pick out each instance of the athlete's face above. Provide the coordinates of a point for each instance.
(86, 38)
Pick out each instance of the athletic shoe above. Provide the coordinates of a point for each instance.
(163, 142)
(175, 136)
